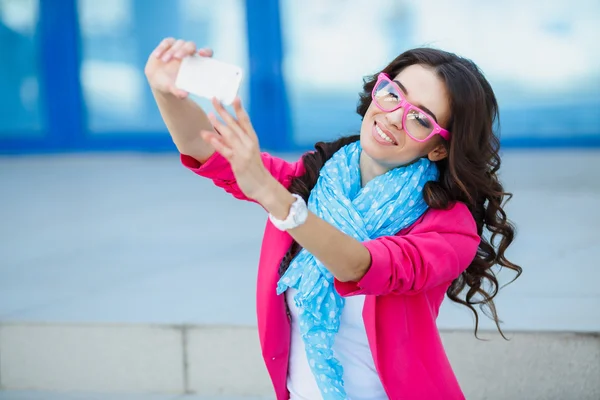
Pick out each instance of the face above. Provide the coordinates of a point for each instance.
(423, 88)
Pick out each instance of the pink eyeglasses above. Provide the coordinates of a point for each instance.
(418, 124)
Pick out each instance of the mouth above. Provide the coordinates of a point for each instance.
(383, 136)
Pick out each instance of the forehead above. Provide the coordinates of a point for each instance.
(426, 88)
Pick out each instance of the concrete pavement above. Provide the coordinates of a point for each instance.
(138, 239)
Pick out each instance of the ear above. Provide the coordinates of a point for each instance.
(438, 153)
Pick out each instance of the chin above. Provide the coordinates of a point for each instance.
(386, 157)
(376, 152)
(374, 149)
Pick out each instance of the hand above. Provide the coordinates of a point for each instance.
(236, 140)
(163, 65)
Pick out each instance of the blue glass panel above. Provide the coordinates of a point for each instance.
(539, 57)
(118, 36)
(20, 108)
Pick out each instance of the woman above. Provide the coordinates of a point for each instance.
(368, 233)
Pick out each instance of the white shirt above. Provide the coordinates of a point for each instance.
(351, 348)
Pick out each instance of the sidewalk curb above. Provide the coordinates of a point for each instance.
(225, 360)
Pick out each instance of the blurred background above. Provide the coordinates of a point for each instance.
(120, 272)
(72, 76)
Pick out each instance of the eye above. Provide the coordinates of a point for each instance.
(421, 119)
(386, 95)
(392, 97)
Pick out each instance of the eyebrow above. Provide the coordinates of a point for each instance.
(427, 110)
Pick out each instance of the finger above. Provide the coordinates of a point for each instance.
(174, 48)
(218, 143)
(231, 138)
(175, 91)
(244, 119)
(231, 122)
(163, 46)
(187, 49)
(205, 52)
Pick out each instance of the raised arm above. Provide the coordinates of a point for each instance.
(183, 117)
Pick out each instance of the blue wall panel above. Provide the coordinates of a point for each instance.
(76, 82)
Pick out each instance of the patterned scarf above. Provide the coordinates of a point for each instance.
(386, 205)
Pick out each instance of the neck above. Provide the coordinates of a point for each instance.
(370, 169)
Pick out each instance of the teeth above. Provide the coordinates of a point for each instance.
(383, 135)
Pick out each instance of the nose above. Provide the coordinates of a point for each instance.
(394, 118)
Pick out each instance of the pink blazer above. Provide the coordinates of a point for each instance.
(404, 289)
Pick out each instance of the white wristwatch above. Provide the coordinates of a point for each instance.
(296, 217)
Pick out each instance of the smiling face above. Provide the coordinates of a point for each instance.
(385, 143)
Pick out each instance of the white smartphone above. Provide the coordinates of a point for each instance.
(207, 77)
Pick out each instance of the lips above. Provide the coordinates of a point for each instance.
(383, 136)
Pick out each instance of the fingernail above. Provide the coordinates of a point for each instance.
(166, 57)
(179, 54)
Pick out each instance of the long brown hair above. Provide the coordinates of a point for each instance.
(467, 175)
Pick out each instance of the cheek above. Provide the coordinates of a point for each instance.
(372, 111)
(409, 150)
(369, 117)
(414, 146)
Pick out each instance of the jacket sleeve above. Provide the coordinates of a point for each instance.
(217, 169)
(434, 251)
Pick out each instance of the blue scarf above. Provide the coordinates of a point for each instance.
(386, 205)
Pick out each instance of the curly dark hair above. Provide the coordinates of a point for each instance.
(467, 175)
